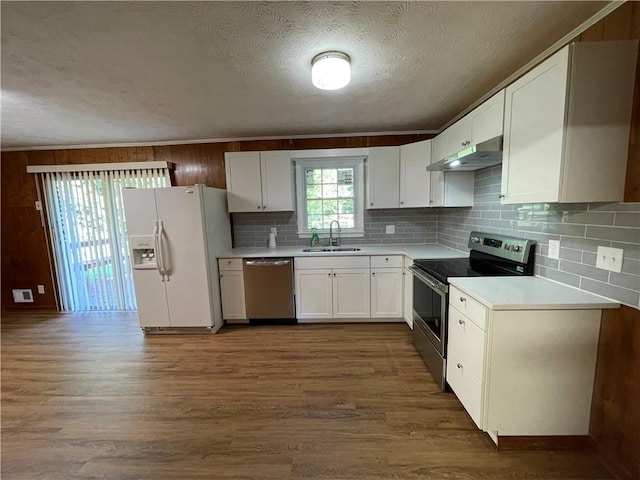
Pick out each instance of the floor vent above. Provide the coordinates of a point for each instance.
(23, 295)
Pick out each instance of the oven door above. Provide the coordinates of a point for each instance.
(430, 308)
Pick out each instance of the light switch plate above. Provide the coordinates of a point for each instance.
(41, 289)
(274, 230)
(609, 259)
(554, 249)
(391, 229)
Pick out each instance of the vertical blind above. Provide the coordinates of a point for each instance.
(88, 235)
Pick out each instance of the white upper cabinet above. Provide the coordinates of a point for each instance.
(566, 126)
(259, 181)
(414, 177)
(383, 177)
(483, 123)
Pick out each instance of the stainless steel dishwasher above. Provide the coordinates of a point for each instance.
(268, 288)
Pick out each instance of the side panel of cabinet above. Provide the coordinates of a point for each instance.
(407, 286)
(414, 178)
(383, 177)
(386, 293)
(277, 181)
(313, 293)
(351, 293)
(232, 293)
(534, 123)
(244, 189)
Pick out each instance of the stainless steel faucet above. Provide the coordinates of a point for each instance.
(333, 242)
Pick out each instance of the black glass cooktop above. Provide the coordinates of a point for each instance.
(478, 265)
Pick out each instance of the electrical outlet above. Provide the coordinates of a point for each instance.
(274, 230)
(609, 259)
(38, 205)
(391, 229)
(554, 249)
(41, 289)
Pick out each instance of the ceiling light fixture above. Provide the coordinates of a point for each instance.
(331, 70)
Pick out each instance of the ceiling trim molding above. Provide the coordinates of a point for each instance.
(538, 59)
(99, 167)
(215, 140)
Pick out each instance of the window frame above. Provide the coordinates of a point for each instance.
(357, 163)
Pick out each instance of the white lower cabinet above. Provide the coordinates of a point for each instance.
(232, 290)
(386, 286)
(522, 372)
(332, 288)
(407, 288)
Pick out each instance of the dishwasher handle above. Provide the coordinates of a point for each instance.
(268, 262)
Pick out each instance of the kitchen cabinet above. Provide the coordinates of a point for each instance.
(481, 124)
(526, 372)
(386, 286)
(383, 177)
(232, 290)
(407, 292)
(414, 177)
(259, 181)
(566, 126)
(332, 288)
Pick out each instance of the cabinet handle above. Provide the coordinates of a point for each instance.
(259, 207)
(334, 274)
(221, 275)
(501, 195)
(462, 144)
(228, 262)
(373, 273)
(462, 299)
(459, 365)
(401, 203)
(461, 322)
(386, 259)
(371, 204)
(264, 207)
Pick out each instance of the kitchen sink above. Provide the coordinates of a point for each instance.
(331, 249)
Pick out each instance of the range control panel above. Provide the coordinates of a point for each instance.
(511, 248)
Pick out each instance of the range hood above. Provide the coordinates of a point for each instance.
(482, 155)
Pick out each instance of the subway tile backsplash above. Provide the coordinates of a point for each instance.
(580, 227)
(412, 225)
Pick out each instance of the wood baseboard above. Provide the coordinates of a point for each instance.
(541, 442)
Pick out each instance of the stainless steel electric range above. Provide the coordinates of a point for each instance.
(490, 255)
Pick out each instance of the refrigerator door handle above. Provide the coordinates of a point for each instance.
(165, 264)
(156, 244)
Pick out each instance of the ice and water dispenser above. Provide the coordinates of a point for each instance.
(143, 252)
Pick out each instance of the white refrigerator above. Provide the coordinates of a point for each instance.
(174, 236)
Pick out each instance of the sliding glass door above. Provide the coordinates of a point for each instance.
(89, 238)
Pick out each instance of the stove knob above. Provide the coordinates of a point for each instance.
(517, 248)
(475, 239)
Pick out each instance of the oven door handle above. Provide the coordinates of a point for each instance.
(419, 274)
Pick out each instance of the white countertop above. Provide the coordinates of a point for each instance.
(529, 293)
(424, 250)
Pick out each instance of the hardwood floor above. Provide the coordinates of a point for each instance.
(88, 396)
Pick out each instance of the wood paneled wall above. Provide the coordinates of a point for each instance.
(25, 262)
(615, 411)
(615, 424)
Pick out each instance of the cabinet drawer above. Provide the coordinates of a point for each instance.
(229, 264)
(466, 338)
(382, 261)
(469, 307)
(312, 263)
(466, 386)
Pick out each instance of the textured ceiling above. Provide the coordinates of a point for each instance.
(117, 72)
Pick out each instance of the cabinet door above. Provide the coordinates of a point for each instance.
(407, 289)
(244, 188)
(314, 293)
(534, 126)
(386, 293)
(486, 121)
(455, 137)
(383, 177)
(414, 177)
(232, 293)
(277, 181)
(351, 293)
